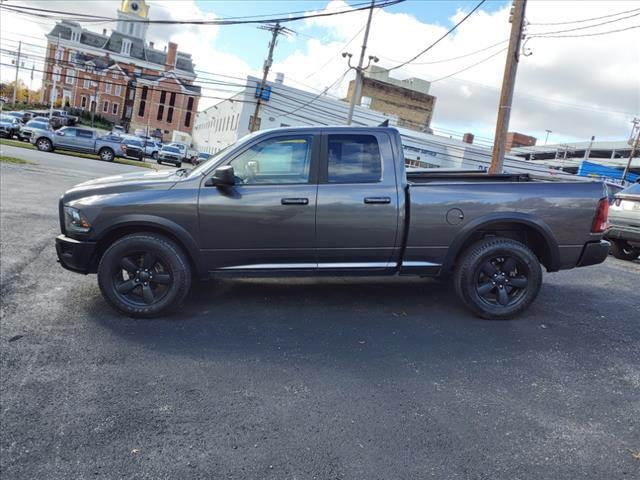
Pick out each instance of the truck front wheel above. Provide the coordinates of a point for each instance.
(144, 275)
(44, 145)
(623, 251)
(497, 278)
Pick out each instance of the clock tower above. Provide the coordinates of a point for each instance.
(131, 18)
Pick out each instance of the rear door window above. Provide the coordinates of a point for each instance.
(354, 159)
(84, 133)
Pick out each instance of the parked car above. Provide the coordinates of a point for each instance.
(134, 148)
(63, 119)
(327, 201)
(152, 148)
(170, 154)
(77, 139)
(188, 154)
(624, 224)
(9, 126)
(20, 115)
(202, 157)
(118, 130)
(32, 126)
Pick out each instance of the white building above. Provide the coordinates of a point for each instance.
(284, 106)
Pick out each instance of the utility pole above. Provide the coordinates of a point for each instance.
(508, 84)
(634, 147)
(53, 74)
(547, 136)
(357, 88)
(275, 31)
(15, 83)
(587, 152)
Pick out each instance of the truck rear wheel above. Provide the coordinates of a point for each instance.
(106, 154)
(497, 278)
(144, 275)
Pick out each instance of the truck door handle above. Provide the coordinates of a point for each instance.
(294, 201)
(377, 200)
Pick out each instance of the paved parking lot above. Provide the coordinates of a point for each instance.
(298, 378)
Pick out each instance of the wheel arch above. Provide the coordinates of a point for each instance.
(525, 228)
(148, 224)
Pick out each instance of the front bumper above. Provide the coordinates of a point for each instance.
(75, 255)
(594, 253)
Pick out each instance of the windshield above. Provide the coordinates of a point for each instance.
(6, 118)
(170, 149)
(36, 124)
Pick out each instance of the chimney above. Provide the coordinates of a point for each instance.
(151, 44)
(104, 31)
(467, 138)
(170, 62)
(280, 78)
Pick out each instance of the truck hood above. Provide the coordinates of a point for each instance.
(126, 182)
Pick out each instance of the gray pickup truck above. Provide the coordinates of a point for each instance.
(327, 201)
(78, 139)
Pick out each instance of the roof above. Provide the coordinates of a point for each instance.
(113, 43)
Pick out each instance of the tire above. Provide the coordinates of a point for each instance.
(154, 155)
(623, 251)
(497, 278)
(44, 145)
(178, 164)
(106, 154)
(127, 270)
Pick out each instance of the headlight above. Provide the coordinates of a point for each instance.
(75, 221)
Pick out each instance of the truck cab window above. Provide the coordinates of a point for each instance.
(279, 160)
(354, 159)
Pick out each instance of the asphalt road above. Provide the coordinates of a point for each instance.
(301, 379)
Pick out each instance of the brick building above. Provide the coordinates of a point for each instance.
(515, 139)
(408, 99)
(120, 76)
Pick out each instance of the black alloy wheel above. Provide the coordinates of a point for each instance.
(502, 280)
(142, 279)
(144, 274)
(497, 277)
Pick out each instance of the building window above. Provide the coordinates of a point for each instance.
(126, 45)
(86, 83)
(70, 79)
(172, 100)
(105, 106)
(115, 75)
(114, 108)
(170, 115)
(59, 54)
(190, 103)
(187, 119)
(163, 96)
(132, 94)
(56, 73)
(160, 112)
(83, 102)
(366, 102)
(107, 87)
(75, 35)
(118, 90)
(143, 101)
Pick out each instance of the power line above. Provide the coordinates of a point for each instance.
(587, 19)
(470, 66)
(586, 26)
(586, 34)
(439, 39)
(453, 58)
(47, 13)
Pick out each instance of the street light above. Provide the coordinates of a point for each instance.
(547, 137)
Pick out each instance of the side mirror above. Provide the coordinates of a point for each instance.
(222, 177)
(60, 133)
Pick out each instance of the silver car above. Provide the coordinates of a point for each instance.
(624, 224)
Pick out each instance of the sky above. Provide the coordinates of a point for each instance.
(577, 87)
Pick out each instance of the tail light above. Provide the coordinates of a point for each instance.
(600, 220)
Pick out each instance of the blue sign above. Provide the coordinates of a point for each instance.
(266, 93)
